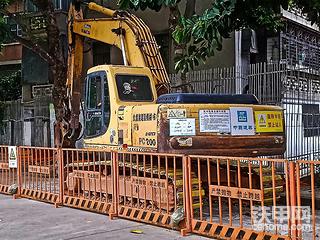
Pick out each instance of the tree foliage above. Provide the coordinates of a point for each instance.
(10, 85)
(4, 29)
(202, 34)
(10, 89)
(4, 3)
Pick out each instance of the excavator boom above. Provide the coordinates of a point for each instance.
(130, 34)
(120, 29)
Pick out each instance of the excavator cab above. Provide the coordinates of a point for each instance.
(109, 88)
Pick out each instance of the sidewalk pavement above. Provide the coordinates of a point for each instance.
(29, 220)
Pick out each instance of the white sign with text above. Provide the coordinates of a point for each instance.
(242, 123)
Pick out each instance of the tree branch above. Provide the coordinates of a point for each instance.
(25, 42)
(9, 14)
(36, 48)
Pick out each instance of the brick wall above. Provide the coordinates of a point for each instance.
(11, 52)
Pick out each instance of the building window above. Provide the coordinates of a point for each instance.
(16, 29)
(61, 4)
(311, 120)
(58, 4)
(29, 6)
(300, 47)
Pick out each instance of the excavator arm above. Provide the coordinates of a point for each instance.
(120, 29)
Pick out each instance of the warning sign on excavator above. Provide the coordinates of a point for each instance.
(176, 113)
(269, 121)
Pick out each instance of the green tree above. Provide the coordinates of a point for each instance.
(10, 86)
(199, 35)
(10, 89)
(10, 81)
(4, 31)
(49, 48)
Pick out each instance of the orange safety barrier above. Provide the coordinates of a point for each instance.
(137, 186)
(8, 174)
(305, 192)
(151, 188)
(89, 180)
(220, 197)
(238, 196)
(39, 174)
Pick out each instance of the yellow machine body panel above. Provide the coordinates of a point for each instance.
(145, 126)
(221, 129)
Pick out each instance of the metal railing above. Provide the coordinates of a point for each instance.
(236, 188)
(215, 80)
(296, 88)
(89, 180)
(39, 173)
(150, 186)
(305, 195)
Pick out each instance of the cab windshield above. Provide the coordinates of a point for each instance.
(134, 88)
(97, 107)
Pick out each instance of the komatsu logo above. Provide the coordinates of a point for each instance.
(86, 29)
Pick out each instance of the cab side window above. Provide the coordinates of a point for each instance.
(94, 93)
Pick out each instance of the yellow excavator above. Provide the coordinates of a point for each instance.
(129, 108)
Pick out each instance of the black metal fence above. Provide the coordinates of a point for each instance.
(294, 87)
(26, 123)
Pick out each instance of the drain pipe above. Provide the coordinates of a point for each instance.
(238, 61)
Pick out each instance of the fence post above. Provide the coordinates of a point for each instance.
(61, 177)
(115, 180)
(186, 196)
(19, 174)
(293, 199)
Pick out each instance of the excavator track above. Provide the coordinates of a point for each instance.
(128, 174)
(270, 184)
